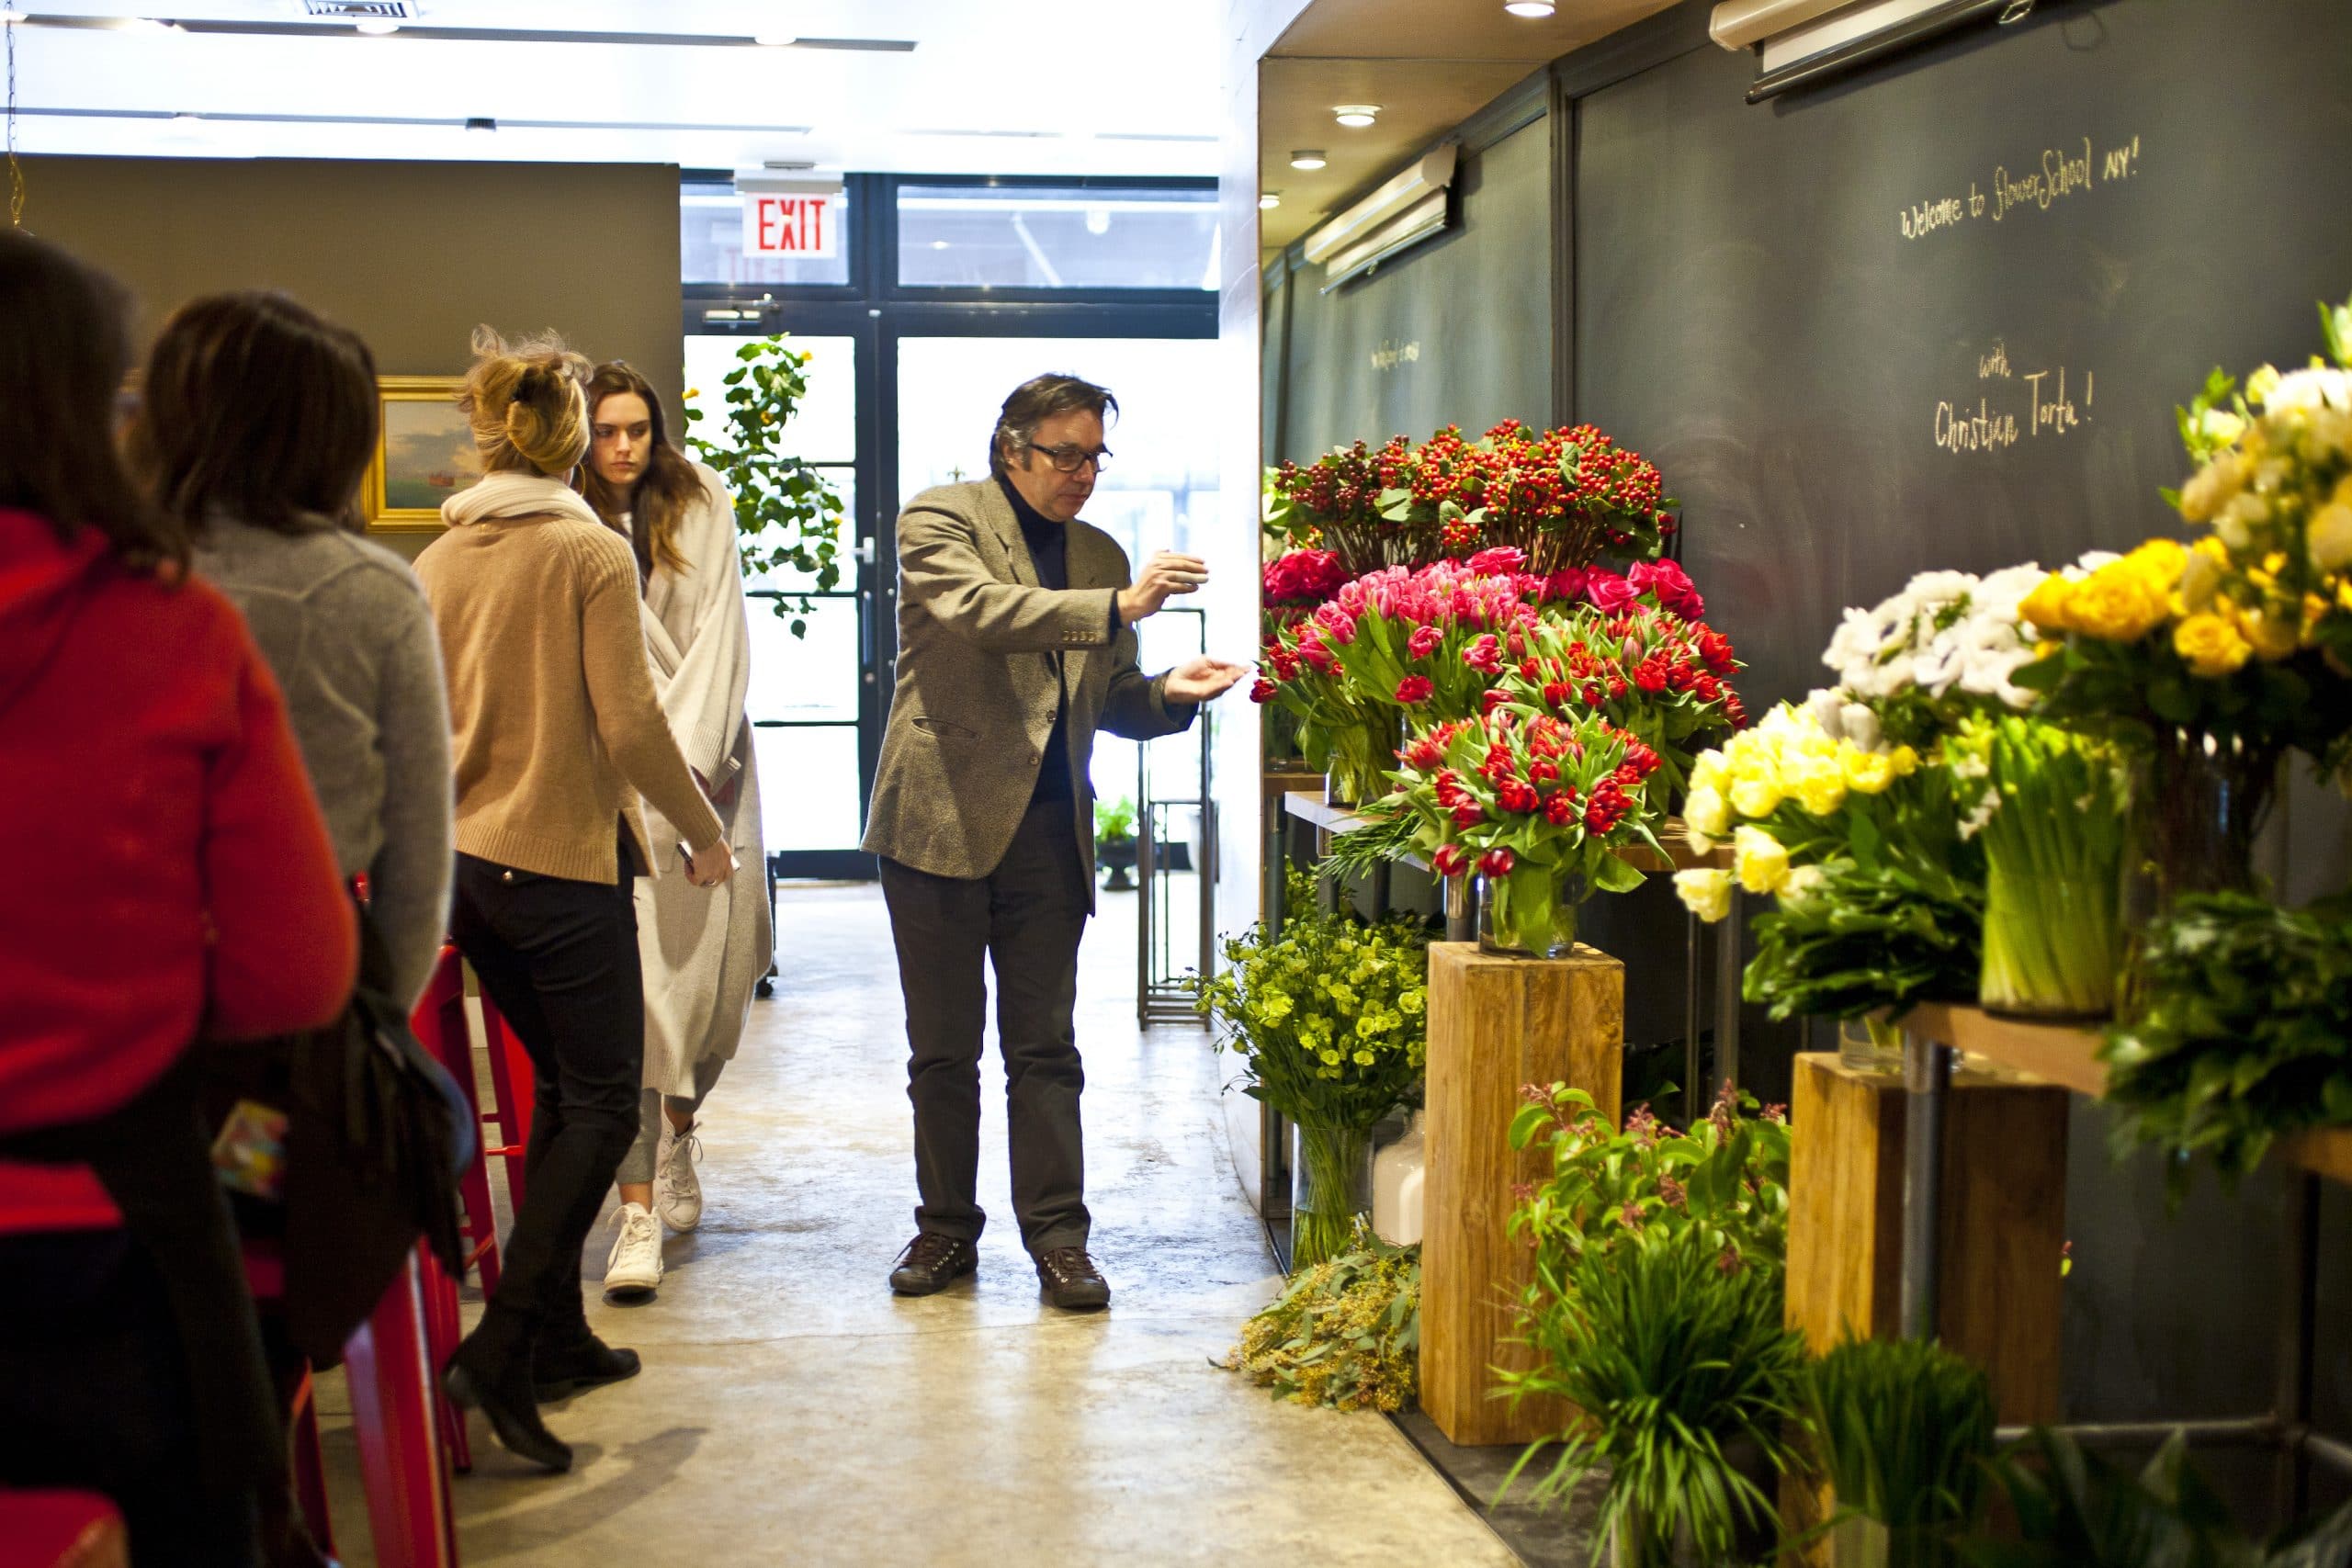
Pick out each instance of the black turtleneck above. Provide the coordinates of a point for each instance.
(1049, 544)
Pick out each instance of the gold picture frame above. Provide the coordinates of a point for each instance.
(425, 454)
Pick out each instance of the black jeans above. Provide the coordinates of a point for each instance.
(94, 1393)
(560, 960)
(1026, 917)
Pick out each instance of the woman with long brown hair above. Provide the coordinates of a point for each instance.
(537, 602)
(703, 954)
(168, 875)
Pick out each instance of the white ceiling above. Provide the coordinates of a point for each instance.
(1108, 87)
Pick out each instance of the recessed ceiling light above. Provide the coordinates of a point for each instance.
(1269, 202)
(377, 27)
(1530, 8)
(775, 41)
(1355, 116)
(1307, 158)
(11, 16)
(939, 245)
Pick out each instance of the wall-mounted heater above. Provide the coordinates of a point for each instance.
(1409, 209)
(1801, 43)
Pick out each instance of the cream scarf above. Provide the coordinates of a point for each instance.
(512, 494)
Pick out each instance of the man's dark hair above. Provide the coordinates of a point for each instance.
(1036, 401)
(62, 356)
(255, 408)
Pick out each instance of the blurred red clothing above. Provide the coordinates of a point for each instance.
(164, 872)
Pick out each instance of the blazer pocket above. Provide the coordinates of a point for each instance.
(941, 729)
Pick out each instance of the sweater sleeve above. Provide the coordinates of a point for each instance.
(705, 697)
(409, 876)
(620, 689)
(284, 941)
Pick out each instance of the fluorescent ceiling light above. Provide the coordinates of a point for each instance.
(1537, 8)
(1307, 158)
(1355, 116)
(377, 27)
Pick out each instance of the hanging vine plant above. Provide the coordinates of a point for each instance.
(787, 514)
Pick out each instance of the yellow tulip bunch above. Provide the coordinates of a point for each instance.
(1786, 763)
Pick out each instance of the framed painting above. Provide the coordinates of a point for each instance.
(425, 454)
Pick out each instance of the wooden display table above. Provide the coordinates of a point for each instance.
(1496, 1024)
(2002, 1225)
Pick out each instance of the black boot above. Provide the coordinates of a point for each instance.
(491, 1373)
(577, 1368)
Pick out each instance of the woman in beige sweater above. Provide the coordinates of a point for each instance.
(556, 731)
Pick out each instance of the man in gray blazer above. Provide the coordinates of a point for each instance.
(1016, 643)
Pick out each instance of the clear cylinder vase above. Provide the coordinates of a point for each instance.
(1331, 1188)
(1529, 916)
(1360, 757)
(2051, 941)
(2196, 802)
(1869, 1045)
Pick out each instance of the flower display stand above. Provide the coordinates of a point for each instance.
(2001, 1230)
(1496, 1024)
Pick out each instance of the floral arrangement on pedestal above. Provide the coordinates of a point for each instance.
(1329, 1016)
(1539, 806)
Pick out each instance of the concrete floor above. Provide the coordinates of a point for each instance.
(793, 1411)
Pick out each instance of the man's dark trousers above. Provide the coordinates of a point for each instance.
(1026, 917)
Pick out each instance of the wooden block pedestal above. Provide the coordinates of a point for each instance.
(1496, 1024)
(2001, 1236)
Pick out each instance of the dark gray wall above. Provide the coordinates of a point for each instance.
(410, 255)
(1470, 315)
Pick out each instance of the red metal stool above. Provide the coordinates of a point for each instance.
(60, 1529)
(516, 1084)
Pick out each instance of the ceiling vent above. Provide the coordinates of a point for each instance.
(361, 10)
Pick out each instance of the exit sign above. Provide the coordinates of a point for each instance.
(791, 223)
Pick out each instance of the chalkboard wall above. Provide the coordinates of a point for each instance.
(1938, 316)
(1456, 332)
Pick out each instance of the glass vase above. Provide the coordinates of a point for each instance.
(1362, 754)
(1869, 1045)
(2196, 802)
(1331, 1187)
(2052, 940)
(1859, 1542)
(1530, 914)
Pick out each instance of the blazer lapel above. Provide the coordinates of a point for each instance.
(997, 513)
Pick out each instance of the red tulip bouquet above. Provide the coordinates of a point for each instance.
(1537, 805)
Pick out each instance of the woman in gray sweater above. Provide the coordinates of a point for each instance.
(256, 423)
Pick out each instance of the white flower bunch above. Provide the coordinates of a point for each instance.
(1945, 629)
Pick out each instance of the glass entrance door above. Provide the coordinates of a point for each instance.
(811, 694)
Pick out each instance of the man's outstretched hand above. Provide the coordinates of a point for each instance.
(1203, 680)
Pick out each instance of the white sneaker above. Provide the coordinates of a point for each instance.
(634, 1271)
(678, 1191)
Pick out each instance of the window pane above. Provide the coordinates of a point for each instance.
(812, 677)
(823, 429)
(1043, 237)
(785, 579)
(1157, 492)
(710, 244)
(809, 788)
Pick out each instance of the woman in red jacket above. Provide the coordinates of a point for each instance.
(168, 877)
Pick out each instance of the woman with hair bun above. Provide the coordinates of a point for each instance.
(557, 732)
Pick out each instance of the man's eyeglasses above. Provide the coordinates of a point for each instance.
(1070, 459)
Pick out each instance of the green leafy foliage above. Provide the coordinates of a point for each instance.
(1676, 1356)
(1329, 1014)
(2243, 1031)
(787, 513)
(1114, 821)
(2078, 1509)
(1345, 1332)
(1902, 1429)
(1876, 932)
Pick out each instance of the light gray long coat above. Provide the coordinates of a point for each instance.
(703, 950)
(987, 656)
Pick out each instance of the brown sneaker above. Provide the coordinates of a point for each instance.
(930, 1263)
(1070, 1280)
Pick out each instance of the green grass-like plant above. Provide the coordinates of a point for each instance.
(1676, 1354)
(1902, 1429)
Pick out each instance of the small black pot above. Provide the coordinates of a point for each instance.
(1119, 855)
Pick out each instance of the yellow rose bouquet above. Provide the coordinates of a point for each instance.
(1879, 892)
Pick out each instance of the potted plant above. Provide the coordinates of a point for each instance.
(1902, 1429)
(1114, 843)
(787, 514)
